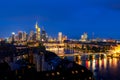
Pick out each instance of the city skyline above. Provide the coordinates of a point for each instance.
(72, 18)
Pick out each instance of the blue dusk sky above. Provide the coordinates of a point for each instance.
(71, 17)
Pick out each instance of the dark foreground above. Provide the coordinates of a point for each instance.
(75, 72)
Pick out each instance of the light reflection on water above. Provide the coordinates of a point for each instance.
(93, 65)
(103, 69)
(105, 63)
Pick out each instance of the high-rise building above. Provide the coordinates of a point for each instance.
(20, 35)
(84, 37)
(30, 37)
(12, 39)
(37, 32)
(64, 38)
(43, 35)
(24, 36)
(16, 37)
(60, 36)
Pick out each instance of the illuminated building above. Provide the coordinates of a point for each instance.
(84, 37)
(24, 36)
(20, 35)
(16, 37)
(43, 35)
(64, 38)
(30, 37)
(37, 32)
(51, 39)
(13, 36)
(60, 36)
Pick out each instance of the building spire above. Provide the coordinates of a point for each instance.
(36, 25)
(37, 31)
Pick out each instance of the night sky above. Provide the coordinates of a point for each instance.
(72, 17)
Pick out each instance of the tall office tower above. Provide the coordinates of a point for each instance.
(24, 36)
(84, 37)
(13, 37)
(34, 36)
(20, 35)
(60, 36)
(30, 37)
(64, 38)
(43, 35)
(16, 38)
(37, 32)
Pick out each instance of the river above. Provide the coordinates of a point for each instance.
(103, 69)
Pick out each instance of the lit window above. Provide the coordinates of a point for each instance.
(82, 70)
(76, 71)
(72, 72)
(58, 73)
(53, 74)
(29, 67)
(90, 78)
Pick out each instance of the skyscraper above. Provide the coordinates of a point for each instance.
(37, 32)
(24, 36)
(13, 37)
(84, 37)
(43, 35)
(30, 37)
(20, 35)
(60, 36)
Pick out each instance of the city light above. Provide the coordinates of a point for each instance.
(13, 33)
(80, 40)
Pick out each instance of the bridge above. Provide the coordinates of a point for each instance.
(84, 56)
(81, 54)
